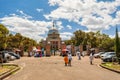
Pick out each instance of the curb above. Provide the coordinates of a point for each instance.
(117, 71)
(7, 73)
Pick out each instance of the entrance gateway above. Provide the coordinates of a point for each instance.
(53, 42)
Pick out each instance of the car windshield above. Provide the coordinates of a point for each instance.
(109, 53)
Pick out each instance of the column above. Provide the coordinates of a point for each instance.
(48, 50)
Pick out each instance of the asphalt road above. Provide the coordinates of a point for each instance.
(52, 68)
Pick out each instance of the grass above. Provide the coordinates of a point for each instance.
(111, 65)
(6, 68)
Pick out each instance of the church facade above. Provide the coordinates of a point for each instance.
(53, 38)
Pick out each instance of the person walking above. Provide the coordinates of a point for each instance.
(79, 55)
(43, 52)
(92, 56)
(69, 59)
(66, 59)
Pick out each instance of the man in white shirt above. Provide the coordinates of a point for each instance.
(69, 59)
(79, 55)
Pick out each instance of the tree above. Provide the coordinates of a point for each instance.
(3, 36)
(79, 37)
(117, 45)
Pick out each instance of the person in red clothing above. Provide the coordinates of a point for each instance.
(66, 59)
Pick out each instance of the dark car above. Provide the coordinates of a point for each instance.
(17, 56)
(109, 57)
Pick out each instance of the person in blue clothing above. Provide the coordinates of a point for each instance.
(42, 51)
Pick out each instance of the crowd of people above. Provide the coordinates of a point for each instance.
(67, 56)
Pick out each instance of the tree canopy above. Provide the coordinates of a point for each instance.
(95, 39)
(14, 41)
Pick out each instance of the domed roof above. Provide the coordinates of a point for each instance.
(51, 31)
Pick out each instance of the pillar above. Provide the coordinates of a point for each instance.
(73, 50)
(81, 48)
(48, 50)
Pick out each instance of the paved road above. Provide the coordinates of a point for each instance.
(52, 68)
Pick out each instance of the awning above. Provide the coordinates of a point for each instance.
(38, 50)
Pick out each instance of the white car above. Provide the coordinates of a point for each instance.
(97, 55)
(107, 53)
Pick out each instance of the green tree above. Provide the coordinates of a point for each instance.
(79, 37)
(3, 36)
(117, 45)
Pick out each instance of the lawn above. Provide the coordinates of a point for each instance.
(111, 65)
(6, 68)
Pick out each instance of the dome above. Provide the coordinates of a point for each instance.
(55, 31)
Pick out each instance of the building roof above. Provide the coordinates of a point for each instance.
(51, 31)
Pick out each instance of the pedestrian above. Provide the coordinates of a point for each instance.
(69, 59)
(79, 55)
(66, 59)
(42, 51)
(92, 56)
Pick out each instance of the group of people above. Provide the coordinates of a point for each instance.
(68, 57)
(36, 53)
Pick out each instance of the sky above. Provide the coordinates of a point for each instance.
(33, 18)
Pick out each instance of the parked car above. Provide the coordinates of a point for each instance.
(97, 55)
(11, 57)
(4, 56)
(106, 53)
(17, 56)
(109, 57)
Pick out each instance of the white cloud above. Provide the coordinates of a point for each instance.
(69, 27)
(116, 21)
(59, 25)
(90, 13)
(28, 28)
(66, 35)
(39, 10)
(22, 14)
(113, 36)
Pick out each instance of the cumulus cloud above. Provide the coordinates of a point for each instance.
(28, 28)
(113, 36)
(34, 29)
(90, 13)
(59, 25)
(66, 35)
(116, 20)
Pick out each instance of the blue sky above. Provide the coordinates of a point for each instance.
(33, 18)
